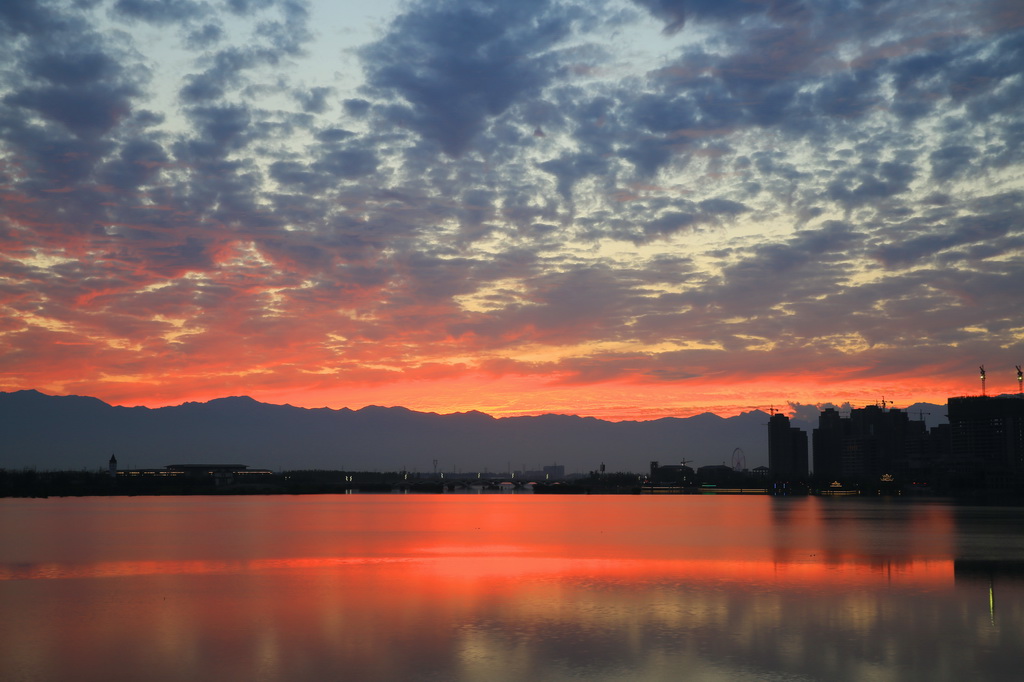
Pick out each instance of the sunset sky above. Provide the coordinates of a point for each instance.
(624, 209)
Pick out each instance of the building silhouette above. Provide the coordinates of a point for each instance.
(671, 474)
(986, 441)
(554, 472)
(870, 443)
(220, 474)
(980, 450)
(787, 449)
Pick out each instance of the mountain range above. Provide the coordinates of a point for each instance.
(75, 432)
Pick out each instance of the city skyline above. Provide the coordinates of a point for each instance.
(624, 209)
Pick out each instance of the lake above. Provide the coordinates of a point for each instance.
(465, 587)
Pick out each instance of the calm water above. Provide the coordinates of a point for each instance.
(509, 587)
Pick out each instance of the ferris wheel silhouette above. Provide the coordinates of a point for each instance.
(739, 460)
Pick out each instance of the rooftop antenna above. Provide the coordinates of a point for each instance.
(982, 370)
(1020, 381)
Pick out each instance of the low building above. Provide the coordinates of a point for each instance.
(671, 474)
(716, 473)
(222, 474)
(555, 472)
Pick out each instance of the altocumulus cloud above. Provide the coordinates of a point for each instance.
(252, 195)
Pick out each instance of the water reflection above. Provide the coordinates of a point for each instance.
(507, 588)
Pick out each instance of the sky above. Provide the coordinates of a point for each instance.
(627, 209)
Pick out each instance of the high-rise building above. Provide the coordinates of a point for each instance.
(787, 449)
(987, 439)
(827, 442)
(870, 443)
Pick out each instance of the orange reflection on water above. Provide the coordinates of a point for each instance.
(387, 587)
(473, 537)
(461, 570)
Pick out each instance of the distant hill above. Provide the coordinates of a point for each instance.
(74, 432)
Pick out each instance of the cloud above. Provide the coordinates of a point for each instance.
(675, 13)
(455, 64)
(951, 161)
(77, 85)
(85, 112)
(993, 227)
(29, 18)
(137, 164)
(160, 12)
(570, 169)
(822, 187)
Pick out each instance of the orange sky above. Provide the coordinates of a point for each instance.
(531, 395)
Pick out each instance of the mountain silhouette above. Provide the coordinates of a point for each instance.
(76, 432)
